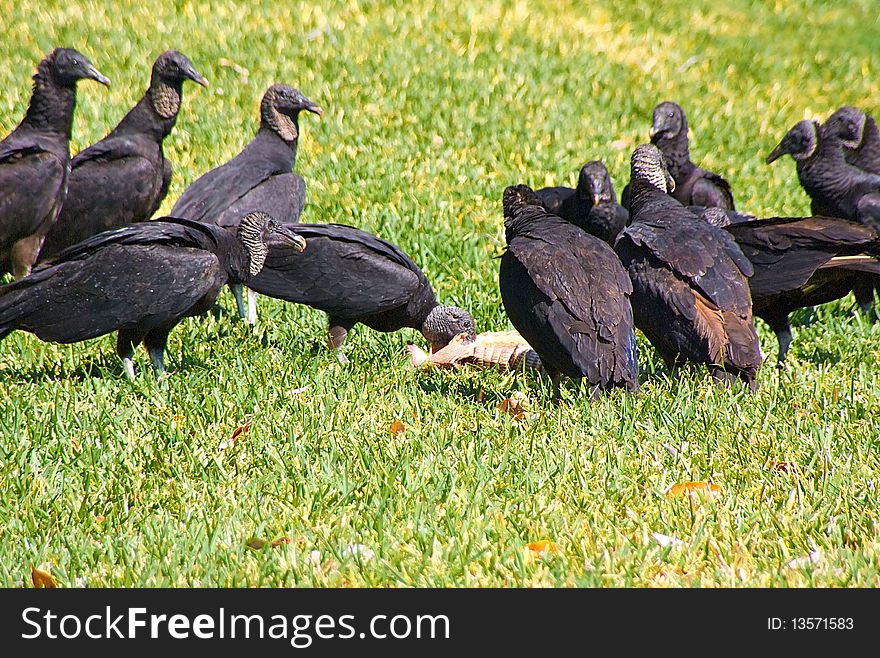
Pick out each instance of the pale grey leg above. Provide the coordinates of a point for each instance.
(128, 364)
(238, 293)
(252, 307)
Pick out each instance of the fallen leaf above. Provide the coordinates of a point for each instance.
(785, 467)
(100, 518)
(396, 427)
(258, 544)
(515, 406)
(544, 546)
(683, 488)
(42, 579)
(241, 429)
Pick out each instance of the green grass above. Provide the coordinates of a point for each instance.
(430, 111)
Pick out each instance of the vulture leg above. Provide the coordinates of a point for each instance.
(238, 292)
(336, 336)
(24, 255)
(126, 340)
(721, 376)
(863, 289)
(556, 378)
(252, 307)
(781, 327)
(155, 342)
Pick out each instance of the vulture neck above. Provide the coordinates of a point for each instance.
(284, 127)
(156, 113)
(51, 106)
(646, 193)
(828, 178)
(677, 152)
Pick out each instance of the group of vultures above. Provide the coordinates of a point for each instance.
(581, 272)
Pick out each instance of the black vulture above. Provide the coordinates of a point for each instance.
(836, 188)
(261, 177)
(690, 280)
(139, 280)
(35, 160)
(860, 136)
(567, 294)
(804, 261)
(591, 206)
(693, 186)
(355, 276)
(720, 217)
(123, 178)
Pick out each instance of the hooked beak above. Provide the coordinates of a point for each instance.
(313, 108)
(196, 77)
(652, 132)
(597, 199)
(776, 153)
(96, 75)
(291, 238)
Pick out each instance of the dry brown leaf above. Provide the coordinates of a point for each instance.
(785, 467)
(42, 579)
(241, 429)
(100, 518)
(515, 406)
(687, 488)
(544, 546)
(259, 544)
(396, 427)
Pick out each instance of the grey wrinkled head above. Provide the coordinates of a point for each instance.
(445, 323)
(516, 197)
(594, 183)
(280, 110)
(256, 230)
(847, 125)
(67, 66)
(173, 67)
(668, 122)
(716, 217)
(648, 166)
(800, 142)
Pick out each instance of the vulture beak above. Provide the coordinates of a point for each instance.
(653, 131)
(776, 153)
(196, 77)
(95, 74)
(597, 199)
(291, 238)
(313, 108)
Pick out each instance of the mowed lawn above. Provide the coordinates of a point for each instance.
(430, 111)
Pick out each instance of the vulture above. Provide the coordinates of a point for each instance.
(804, 261)
(591, 206)
(123, 178)
(356, 277)
(693, 186)
(860, 137)
(139, 280)
(261, 177)
(836, 188)
(690, 280)
(567, 294)
(35, 160)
